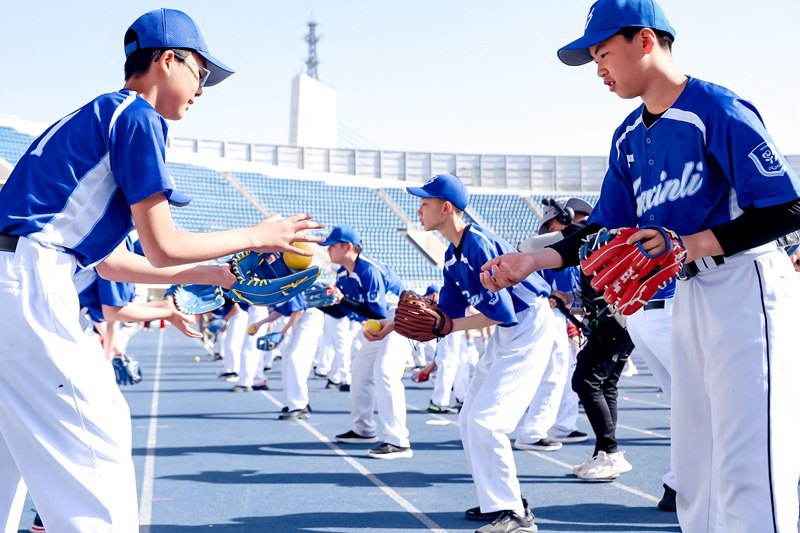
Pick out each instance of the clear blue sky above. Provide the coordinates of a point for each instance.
(445, 75)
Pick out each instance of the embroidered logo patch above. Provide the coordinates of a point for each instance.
(767, 160)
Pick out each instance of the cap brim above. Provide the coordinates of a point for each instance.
(543, 224)
(178, 199)
(577, 53)
(419, 191)
(219, 70)
(328, 243)
(579, 206)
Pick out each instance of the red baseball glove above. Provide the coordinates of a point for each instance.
(626, 274)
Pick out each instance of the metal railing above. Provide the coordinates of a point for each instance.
(550, 173)
(522, 172)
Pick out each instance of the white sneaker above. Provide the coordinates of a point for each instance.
(599, 468)
(630, 369)
(590, 462)
(620, 463)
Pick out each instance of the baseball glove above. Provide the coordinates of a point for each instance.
(126, 370)
(320, 295)
(196, 299)
(264, 279)
(420, 319)
(420, 376)
(627, 275)
(270, 341)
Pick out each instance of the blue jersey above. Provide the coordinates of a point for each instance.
(298, 303)
(94, 292)
(462, 285)
(103, 292)
(73, 188)
(705, 159)
(372, 283)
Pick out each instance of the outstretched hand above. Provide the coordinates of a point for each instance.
(506, 270)
(182, 322)
(278, 235)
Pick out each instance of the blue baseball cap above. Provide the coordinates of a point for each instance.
(342, 234)
(432, 289)
(606, 18)
(170, 28)
(445, 187)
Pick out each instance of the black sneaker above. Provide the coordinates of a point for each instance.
(227, 375)
(509, 522)
(390, 451)
(261, 386)
(344, 387)
(474, 513)
(285, 408)
(442, 409)
(296, 414)
(331, 385)
(667, 502)
(575, 436)
(541, 445)
(351, 437)
(241, 388)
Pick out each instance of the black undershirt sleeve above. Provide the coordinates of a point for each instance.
(360, 308)
(569, 246)
(335, 311)
(758, 226)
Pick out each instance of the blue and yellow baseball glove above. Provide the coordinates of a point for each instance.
(264, 279)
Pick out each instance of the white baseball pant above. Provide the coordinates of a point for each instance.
(735, 396)
(298, 357)
(377, 372)
(543, 409)
(63, 420)
(515, 357)
(448, 359)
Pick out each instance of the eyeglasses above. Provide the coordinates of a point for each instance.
(202, 73)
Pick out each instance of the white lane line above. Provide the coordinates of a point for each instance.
(390, 492)
(645, 402)
(146, 501)
(643, 431)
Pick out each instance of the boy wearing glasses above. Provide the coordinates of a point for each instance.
(69, 203)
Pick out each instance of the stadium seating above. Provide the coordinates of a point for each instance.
(360, 207)
(13, 144)
(507, 215)
(217, 205)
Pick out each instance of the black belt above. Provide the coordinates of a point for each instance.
(8, 243)
(692, 269)
(655, 304)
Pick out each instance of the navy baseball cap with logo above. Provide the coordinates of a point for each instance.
(342, 234)
(606, 18)
(170, 28)
(445, 187)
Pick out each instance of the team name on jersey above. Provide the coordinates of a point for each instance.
(688, 184)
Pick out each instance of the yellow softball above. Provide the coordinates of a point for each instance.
(372, 325)
(251, 330)
(298, 262)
